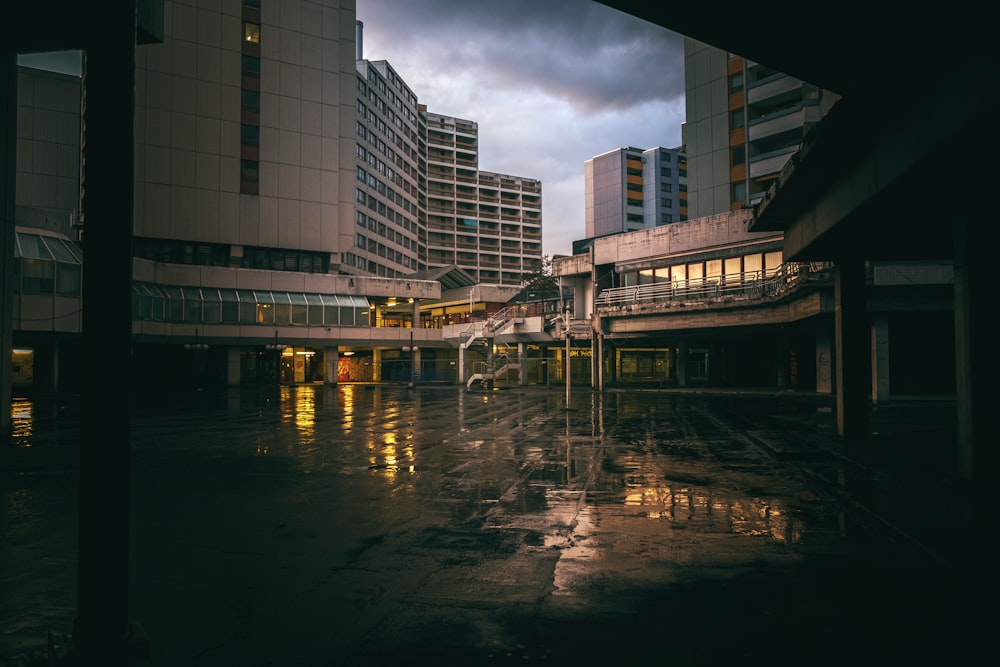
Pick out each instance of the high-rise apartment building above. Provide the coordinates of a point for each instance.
(744, 122)
(630, 188)
(390, 234)
(488, 224)
(664, 177)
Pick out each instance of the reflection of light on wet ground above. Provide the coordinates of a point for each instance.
(745, 516)
(347, 399)
(391, 455)
(578, 553)
(304, 407)
(21, 421)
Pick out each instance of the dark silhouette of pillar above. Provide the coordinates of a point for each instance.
(976, 367)
(101, 635)
(8, 144)
(853, 353)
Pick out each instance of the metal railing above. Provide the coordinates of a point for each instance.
(750, 284)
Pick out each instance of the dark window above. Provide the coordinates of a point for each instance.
(251, 100)
(736, 82)
(249, 171)
(739, 191)
(250, 134)
(251, 66)
(739, 154)
(736, 119)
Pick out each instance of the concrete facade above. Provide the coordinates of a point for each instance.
(631, 188)
(744, 122)
(708, 302)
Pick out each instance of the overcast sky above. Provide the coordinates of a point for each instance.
(551, 83)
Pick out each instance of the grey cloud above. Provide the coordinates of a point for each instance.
(589, 55)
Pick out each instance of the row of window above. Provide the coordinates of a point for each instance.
(366, 115)
(392, 196)
(169, 251)
(386, 232)
(371, 157)
(204, 305)
(753, 266)
(46, 265)
(403, 105)
(380, 249)
(374, 268)
(47, 278)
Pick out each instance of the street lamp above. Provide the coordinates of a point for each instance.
(275, 345)
(196, 345)
(278, 348)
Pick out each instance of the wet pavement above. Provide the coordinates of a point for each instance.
(386, 525)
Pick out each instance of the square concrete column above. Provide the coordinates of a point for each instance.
(781, 362)
(880, 361)
(682, 363)
(331, 356)
(824, 360)
(8, 189)
(976, 358)
(233, 369)
(103, 559)
(852, 353)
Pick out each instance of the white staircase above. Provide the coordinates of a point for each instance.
(500, 365)
(483, 333)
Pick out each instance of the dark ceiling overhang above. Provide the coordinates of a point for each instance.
(67, 25)
(909, 140)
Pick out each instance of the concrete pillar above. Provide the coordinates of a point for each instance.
(781, 361)
(55, 364)
(8, 144)
(824, 360)
(416, 314)
(102, 622)
(522, 364)
(463, 360)
(976, 360)
(568, 364)
(376, 365)
(852, 349)
(597, 359)
(331, 357)
(682, 362)
(233, 368)
(880, 361)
